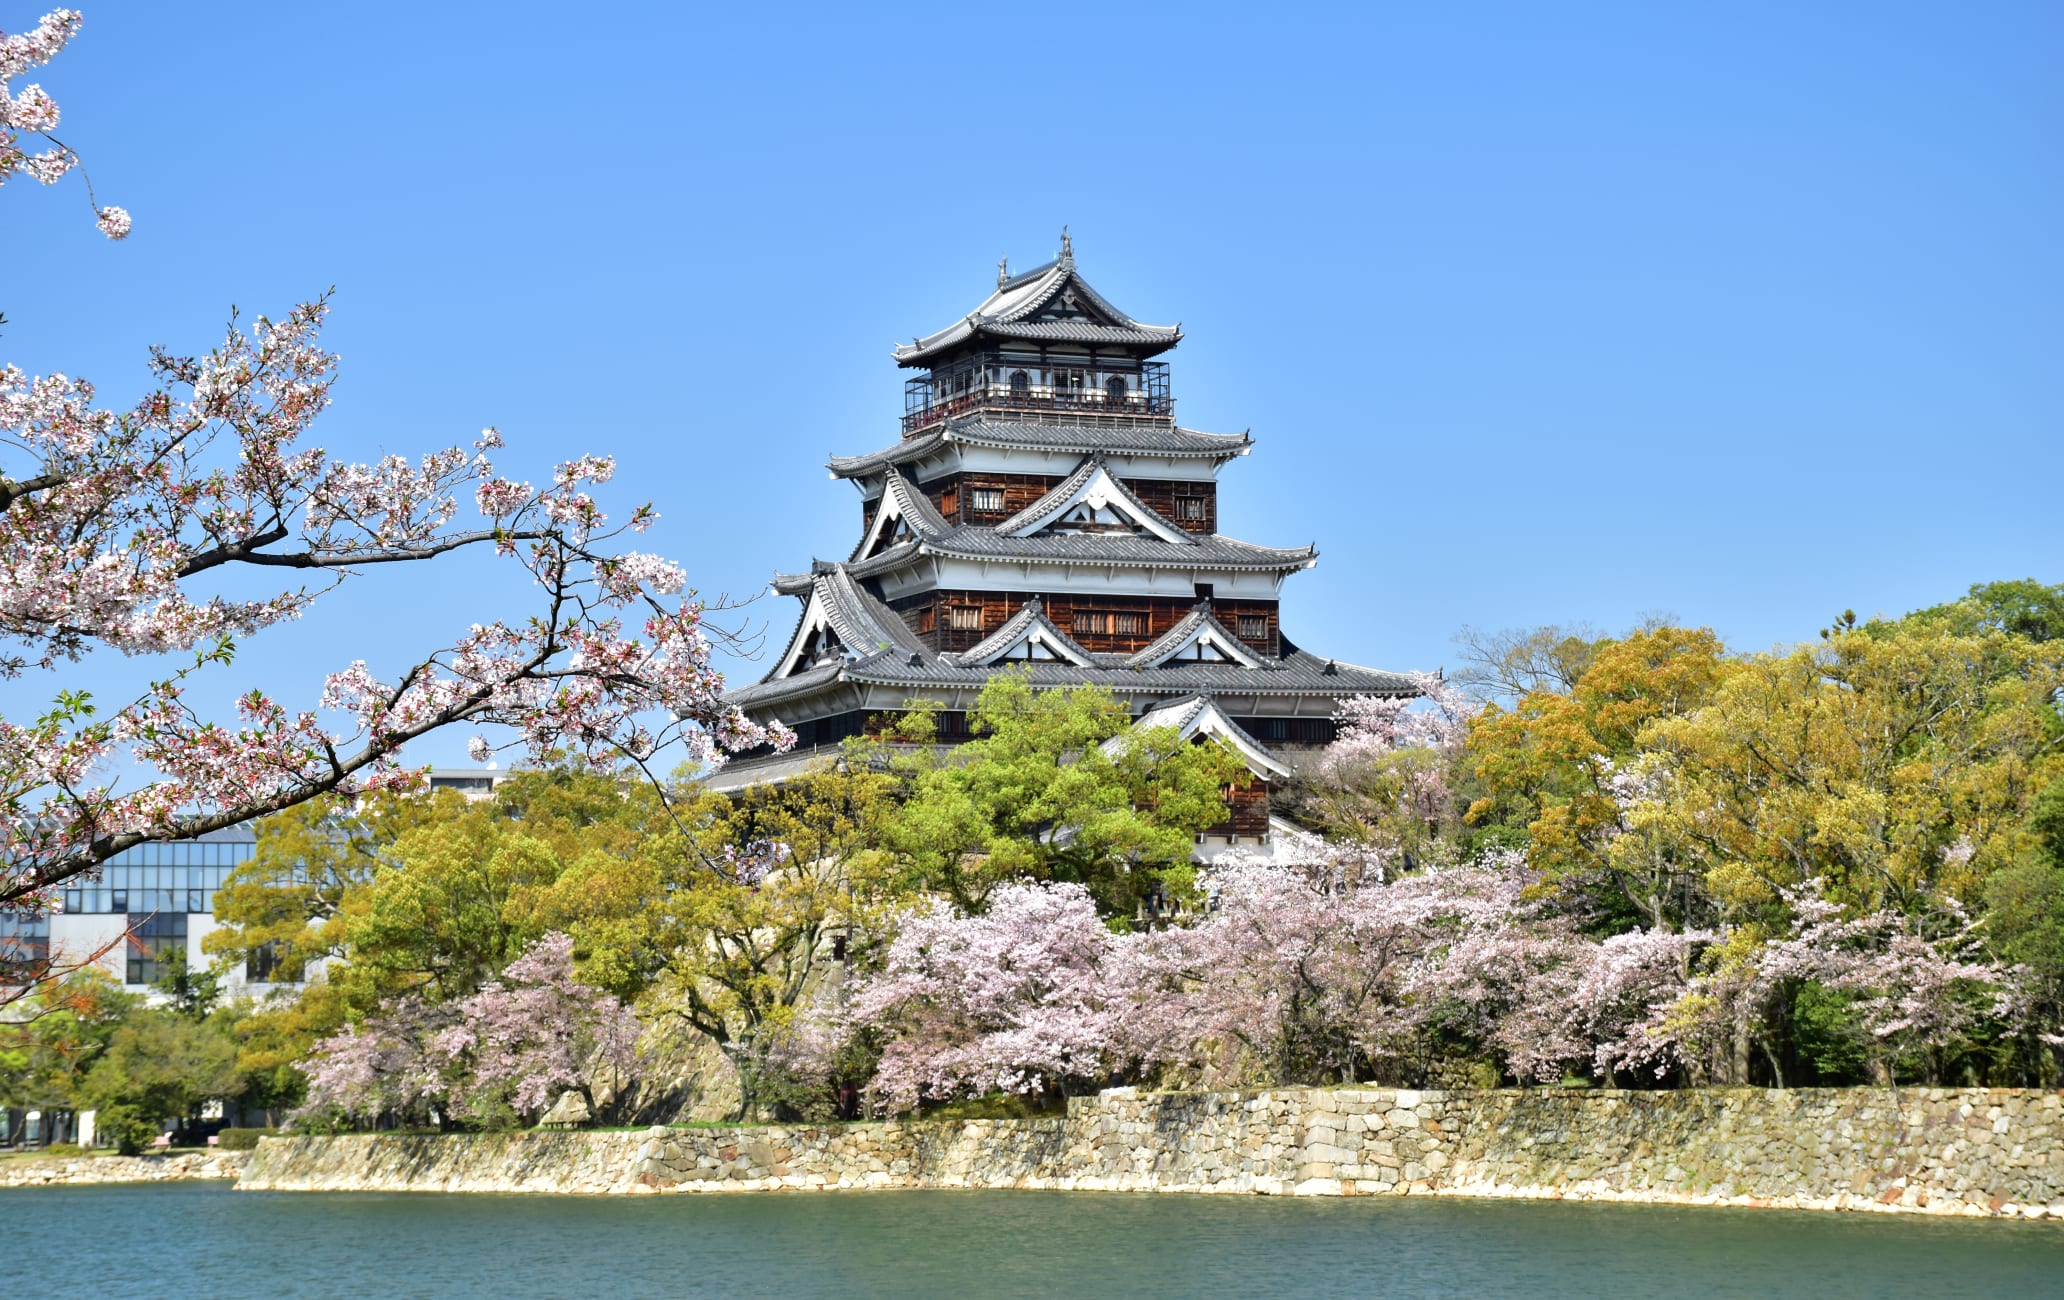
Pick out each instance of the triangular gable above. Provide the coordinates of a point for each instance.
(1092, 500)
(1027, 636)
(835, 623)
(904, 515)
(1198, 717)
(1056, 292)
(1197, 638)
(813, 640)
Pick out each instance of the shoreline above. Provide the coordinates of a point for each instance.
(1964, 1152)
(87, 1171)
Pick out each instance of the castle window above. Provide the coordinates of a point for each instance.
(1115, 390)
(1109, 623)
(1253, 627)
(986, 500)
(1190, 510)
(964, 618)
(1021, 383)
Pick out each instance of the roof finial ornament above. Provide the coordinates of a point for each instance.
(1003, 270)
(1067, 246)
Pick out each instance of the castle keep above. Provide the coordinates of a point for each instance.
(1043, 508)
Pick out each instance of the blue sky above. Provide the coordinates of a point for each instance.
(1749, 313)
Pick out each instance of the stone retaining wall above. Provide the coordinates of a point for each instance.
(1937, 1151)
(120, 1169)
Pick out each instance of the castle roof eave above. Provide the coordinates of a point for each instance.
(1298, 675)
(1171, 442)
(1210, 553)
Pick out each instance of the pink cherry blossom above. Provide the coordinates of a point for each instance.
(31, 111)
(501, 1054)
(119, 522)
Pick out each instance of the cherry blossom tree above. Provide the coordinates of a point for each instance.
(1288, 980)
(127, 530)
(1386, 781)
(1016, 999)
(497, 1056)
(1913, 995)
(518, 1044)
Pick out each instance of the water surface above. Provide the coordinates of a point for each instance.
(202, 1239)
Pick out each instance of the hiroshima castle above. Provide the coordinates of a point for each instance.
(1043, 510)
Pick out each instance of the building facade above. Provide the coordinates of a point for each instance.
(1044, 509)
(148, 902)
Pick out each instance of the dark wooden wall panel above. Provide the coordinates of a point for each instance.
(926, 615)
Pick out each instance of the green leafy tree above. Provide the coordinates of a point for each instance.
(53, 1036)
(1037, 795)
(2024, 908)
(1897, 767)
(162, 1065)
(2020, 607)
(745, 954)
(289, 899)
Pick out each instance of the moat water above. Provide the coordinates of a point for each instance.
(202, 1239)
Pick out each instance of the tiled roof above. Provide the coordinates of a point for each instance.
(863, 621)
(863, 625)
(1297, 674)
(1008, 310)
(1200, 715)
(1205, 551)
(1033, 435)
(902, 502)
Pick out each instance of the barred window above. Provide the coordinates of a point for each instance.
(987, 500)
(964, 618)
(1190, 510)
(1253, 627)
(1109, 623)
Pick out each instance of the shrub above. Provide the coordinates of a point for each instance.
(127, 1128)
(242, 1139)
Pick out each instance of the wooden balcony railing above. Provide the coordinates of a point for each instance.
(1088, 402)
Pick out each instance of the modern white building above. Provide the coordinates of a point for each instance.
(155, 899)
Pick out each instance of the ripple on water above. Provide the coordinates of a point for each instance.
(205, 1240)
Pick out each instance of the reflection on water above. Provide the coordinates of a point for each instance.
(205, 1240)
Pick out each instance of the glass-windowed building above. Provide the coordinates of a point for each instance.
(149, 902)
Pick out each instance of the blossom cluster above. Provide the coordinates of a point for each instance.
(31, 111)
(1386, 776)
(497, 1056)
(119, 519)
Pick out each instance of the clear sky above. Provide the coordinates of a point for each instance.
(1746, 312)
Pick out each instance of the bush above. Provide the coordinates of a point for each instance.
(127, 1128)
(242, 1139)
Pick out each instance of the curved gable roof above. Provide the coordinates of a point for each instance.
(1198, 627)
(1015, 308)
(1092, 485)
(1028, 626)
